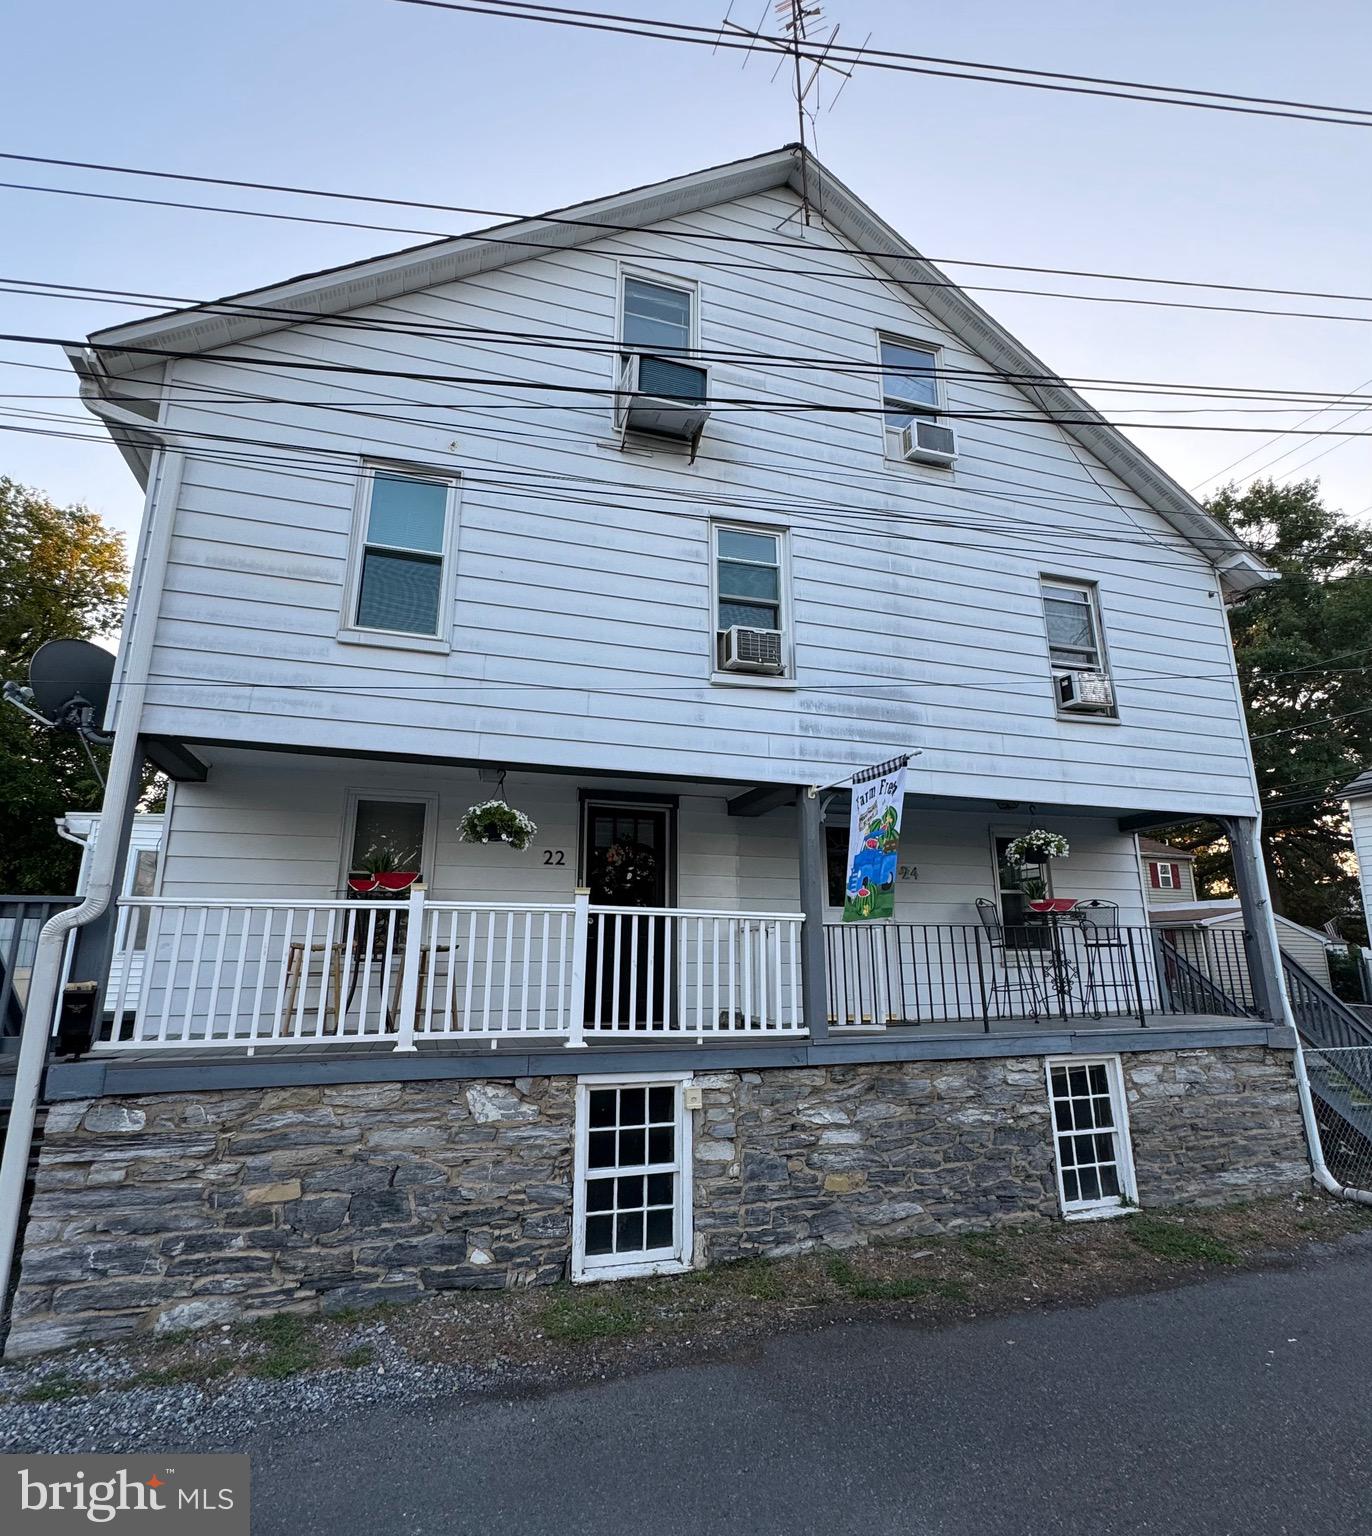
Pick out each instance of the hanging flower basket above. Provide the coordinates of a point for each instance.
(1037, 847)
(495, 822)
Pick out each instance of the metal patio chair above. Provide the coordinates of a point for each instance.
(1007, 983)
(1103, 943)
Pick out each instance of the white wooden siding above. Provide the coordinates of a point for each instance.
(1360, 815)
(273, 828)
(581, 613)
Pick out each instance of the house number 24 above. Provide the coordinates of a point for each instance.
(554, 856)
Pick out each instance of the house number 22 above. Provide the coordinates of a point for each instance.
(554, 856)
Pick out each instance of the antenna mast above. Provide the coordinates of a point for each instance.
(795, 18)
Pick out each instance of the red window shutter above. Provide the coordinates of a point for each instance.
(1153, 878)
(1176, 877)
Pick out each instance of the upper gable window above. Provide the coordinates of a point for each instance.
(1076, 649)
(402, 564)
(911, 393)
(656, 318)
(909, 382)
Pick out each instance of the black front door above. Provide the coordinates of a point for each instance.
(627, 857)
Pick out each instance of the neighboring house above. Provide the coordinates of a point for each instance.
(1305, 946)
(646, 532)
(141, 864)
(1169, 874)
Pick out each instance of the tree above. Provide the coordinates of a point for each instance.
(63, 575)
(1304, 651)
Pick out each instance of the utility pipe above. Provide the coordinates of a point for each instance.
(121, 780)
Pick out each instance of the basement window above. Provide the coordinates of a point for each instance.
(1095, 1164)
(632, 1201)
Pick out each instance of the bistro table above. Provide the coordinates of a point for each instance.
(1062, 973)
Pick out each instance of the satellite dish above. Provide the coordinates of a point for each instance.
(69, 681)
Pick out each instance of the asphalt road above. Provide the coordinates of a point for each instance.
(1240, 1406)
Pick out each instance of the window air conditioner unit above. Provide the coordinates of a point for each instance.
(1085, 692)
(751, 650)
(661, 396)
(924, 441)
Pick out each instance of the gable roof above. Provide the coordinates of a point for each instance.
(1360, 786)
(337, 290)
(1151, 848)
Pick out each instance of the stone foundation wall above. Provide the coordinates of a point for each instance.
(788, 1159)
(176, 1211)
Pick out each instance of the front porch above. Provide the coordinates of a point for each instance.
(700, 933)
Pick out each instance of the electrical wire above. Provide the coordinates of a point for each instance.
(907, 63)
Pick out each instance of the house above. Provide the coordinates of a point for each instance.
(1169, 873)
(658, 520)
(1359, 798)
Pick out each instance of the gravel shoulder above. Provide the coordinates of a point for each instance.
(226, 1388)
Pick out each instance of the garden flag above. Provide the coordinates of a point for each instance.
(873, 842)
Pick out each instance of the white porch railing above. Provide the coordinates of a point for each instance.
(208, 973)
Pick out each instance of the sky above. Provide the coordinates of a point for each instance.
(378, 96)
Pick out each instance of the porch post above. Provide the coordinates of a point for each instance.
(814, 879)
(93, 945)
(409, 969)
(1260, 932)
(576, 1019)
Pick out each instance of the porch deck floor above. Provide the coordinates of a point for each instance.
(955, 1031)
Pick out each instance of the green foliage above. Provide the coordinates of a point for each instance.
(1171, 1240)
(290, 1347)
(1309, 737)
(62, 576)
(578, 1315)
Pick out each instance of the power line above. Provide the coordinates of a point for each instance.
(605, 226)
(742, 404)
(835, 275)
(917, 64)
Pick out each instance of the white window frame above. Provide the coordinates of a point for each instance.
(1057, 669)
(752, 679)
(586, 1268)
(427, 854)
(677, 284)
(891, 435)
(1164, 869)
(349, 630)
(1110, 1205)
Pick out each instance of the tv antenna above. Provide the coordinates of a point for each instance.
(68, 690)
(801, 23)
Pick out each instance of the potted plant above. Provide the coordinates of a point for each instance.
(495, 822)
(383, 868)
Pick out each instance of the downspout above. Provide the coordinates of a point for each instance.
(121, 777)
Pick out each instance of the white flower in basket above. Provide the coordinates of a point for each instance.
(495, 822)
(1037, 847)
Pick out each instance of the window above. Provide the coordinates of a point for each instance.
(750, 586)
(385, 826)
(632, 1205)
(836, 863)
(404, 545)
(655, 318)
(909, 386)
(1071, 613)
(1091, 1136)
(1026, 932)
(1069, 609)
(1164, 879)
